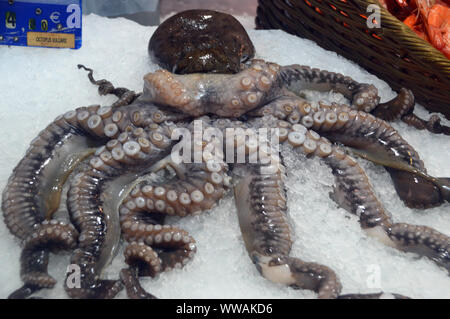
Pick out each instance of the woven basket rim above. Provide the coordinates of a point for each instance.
(431, 54)
(392, 51)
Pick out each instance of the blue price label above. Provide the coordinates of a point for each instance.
(51, 23)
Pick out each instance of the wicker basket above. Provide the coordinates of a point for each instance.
(394, 52)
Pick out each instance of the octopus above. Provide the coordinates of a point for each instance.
(203, 41)
(180, 125)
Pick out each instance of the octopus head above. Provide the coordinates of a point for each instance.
(208, 60)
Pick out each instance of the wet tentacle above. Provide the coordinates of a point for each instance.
(105, 87)
(299, 77)
(396, 109)
(422, 240)
(261, 205)
(201, 186)
(222, 94)
(50, 159)
(433, 124)
(354, 193)
(371, 138)
(130, 279)
(126, 154)
(48, 236)
(34, 189)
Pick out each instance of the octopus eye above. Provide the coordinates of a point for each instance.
(244, 57)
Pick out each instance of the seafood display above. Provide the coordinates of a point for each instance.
(103, 153)
(201, 41)
(429, 19)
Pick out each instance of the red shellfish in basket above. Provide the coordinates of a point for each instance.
(429, 19)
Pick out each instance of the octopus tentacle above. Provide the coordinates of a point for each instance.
(364, 131)
(175, 248)
(261, 204)
(433, 124)
(286, 107)
(24, 292)
(52, 236)
(105, 87)
(221, 94)
(144, 258)
(341, 124)
(299, 77)
(153, 248)
(402, 107)
(47, 153)
(363, 97)
(397, 108)
(200, 188)
(354, 193)
(382, 144)
(34, 189)
(126, 154)
(47, 236)
(197, 187)
(374, 139)
(130, 279)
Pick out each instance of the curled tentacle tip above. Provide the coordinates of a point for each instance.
(81, 66)
(366, 98)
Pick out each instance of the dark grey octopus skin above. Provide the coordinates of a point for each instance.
(261, 204)
(363, 97)
(263, 84)
(24, 199)
(53, 236)
(336, 121)
(377, 140)
(132, 151)
(201, 41)
(136, 136)
(155, 247)
(134, 289)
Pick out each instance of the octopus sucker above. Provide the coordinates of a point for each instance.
(363, 97)
(154, 247)
(268, 250)
(103, 154)
(206, 93)
(95, 230)
(422, 240)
